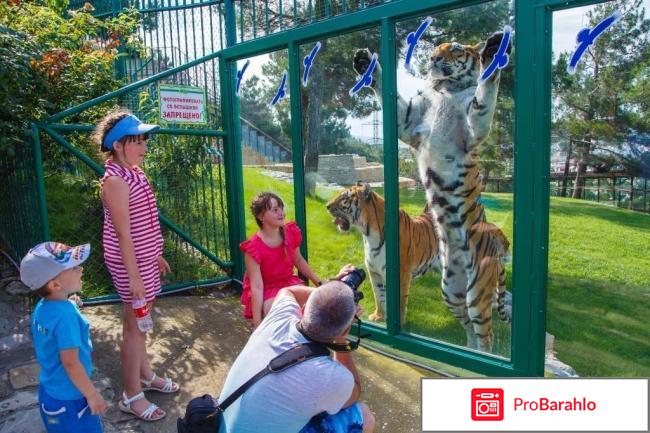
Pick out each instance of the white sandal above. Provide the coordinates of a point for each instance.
(147, 415)
(168, 388)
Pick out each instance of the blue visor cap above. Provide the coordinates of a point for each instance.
(130, 125)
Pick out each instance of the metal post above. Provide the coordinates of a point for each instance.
(40, 182)
(233, 163)
(645, 192)
(387, 54)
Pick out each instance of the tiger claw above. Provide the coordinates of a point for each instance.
(361, 60)
(492, 46)
(376, 316)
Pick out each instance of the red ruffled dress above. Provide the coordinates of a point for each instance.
(276, 264)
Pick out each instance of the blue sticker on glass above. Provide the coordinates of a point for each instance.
(366, 79)
(501, 58)
(281, 92)
(412, 40)
(240, 75)
(587, 37)
(308, 62)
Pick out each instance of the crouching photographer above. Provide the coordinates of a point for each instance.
(318, 393)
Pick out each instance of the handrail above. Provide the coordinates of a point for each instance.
(249, 123)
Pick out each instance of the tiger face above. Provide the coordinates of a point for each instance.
(345, 207)
(455, 63)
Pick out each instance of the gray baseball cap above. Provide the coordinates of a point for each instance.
(47, 260)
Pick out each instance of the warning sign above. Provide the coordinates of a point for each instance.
(183, 104)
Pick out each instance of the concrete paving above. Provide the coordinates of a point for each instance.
(195, 341)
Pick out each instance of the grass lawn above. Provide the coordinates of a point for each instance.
(598, 288)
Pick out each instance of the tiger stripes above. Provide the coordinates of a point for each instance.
(444, 124)
(363, 208)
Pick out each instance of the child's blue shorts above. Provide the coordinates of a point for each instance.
(67, 416)
(349, 420)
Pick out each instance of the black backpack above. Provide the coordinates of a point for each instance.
(204, 414)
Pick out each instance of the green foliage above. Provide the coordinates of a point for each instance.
(49, 62)
(607, 96)
(21, 87)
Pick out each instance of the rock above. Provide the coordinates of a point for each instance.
(17, 288)
(556, 368)
(550, 341)
(553, 367)
(20, 400)
(24, 376)
(14, 341)
(24, 421)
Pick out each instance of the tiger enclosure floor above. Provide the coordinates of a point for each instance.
(195, 341)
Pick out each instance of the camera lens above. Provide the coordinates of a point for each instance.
(354, 278)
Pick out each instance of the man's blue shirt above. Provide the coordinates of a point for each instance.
(58, 325)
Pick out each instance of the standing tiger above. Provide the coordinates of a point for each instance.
(444, 125)
(418, 248)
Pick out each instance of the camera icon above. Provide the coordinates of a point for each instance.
(487, 404)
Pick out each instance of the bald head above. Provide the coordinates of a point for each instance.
(329, 311)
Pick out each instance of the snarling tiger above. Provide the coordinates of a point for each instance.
(444, 124)
(363, 208)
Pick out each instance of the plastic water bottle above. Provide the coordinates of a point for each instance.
(142, 316)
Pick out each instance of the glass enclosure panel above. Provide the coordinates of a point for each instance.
(599, 241)
(265, 123)
(343, 145)
(455, 113)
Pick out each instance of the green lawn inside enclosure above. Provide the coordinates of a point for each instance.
(598, 293)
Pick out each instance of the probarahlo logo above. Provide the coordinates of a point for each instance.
(487, 404)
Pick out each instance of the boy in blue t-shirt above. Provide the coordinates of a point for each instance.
(69, 402)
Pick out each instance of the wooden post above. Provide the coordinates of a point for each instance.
(613, 190)
(598, 190)
(629, 205)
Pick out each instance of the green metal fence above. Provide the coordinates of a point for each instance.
(186, 164)
(21, 224)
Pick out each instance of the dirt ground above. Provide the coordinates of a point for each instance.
(196, 340)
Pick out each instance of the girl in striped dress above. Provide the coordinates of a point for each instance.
(133, 248)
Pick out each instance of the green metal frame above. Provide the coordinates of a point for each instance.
(531, 187)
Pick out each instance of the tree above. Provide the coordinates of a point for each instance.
(603, 99)
(50, 62)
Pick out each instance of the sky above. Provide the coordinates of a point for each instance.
(566, 24)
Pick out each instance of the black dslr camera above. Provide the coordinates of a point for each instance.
(353, 280)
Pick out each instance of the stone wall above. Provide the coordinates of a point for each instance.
(338, 169)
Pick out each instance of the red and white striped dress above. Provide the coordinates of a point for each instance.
(145, 232)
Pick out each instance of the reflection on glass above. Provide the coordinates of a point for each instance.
(265, 124)
(455, 111)
(343, 145)
(599, 274)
